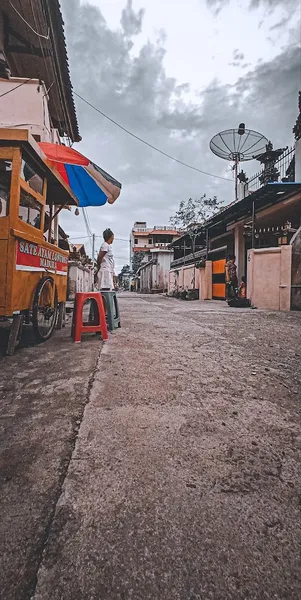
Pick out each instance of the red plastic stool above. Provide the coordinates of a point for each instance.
(78, 326)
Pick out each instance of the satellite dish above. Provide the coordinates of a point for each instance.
(238, 145)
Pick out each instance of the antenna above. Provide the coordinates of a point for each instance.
(238, 145)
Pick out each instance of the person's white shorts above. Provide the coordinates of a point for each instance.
(105, 280)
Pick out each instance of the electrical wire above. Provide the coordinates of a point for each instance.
(33, 53)
(56, 62)
(16, 87)
(43, 56)
(115, 238)
(52, 63)
(45, 37)
(88, 229)
(83, 237)
(180, 162)
(85, 210)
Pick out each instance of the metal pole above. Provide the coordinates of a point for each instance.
(93, 259)
(253, 224)
(184, 250)
(236, 174)
(93, 249)
(50, 221)
(207, 242)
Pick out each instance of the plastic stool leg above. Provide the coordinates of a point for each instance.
(102, 320)
(78, 324)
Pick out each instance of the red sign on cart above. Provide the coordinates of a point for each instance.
(33, 257)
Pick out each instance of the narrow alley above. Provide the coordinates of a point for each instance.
(164, 465)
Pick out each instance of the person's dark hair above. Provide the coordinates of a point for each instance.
(230, 257)
(107, 234)
(243, 279)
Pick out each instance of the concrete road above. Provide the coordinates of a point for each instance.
(184, 482)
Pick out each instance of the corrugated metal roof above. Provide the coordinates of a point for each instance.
(32, 56)
(271, 192)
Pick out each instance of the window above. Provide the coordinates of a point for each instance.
(150, 241)
(31, 176)
(30, 209)
(136, 241)
(5, 180)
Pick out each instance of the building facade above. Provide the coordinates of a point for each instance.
(144, 239)
(35, 85)
(32, 59)
(262, 230)
(153, 274)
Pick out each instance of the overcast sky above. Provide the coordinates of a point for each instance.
(175, 73)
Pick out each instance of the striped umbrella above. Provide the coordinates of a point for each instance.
(90, 184)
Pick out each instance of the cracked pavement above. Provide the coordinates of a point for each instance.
(166, 467)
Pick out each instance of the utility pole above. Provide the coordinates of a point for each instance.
(93, 248)
(253, 224)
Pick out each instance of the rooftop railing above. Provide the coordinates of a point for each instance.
(282, 165)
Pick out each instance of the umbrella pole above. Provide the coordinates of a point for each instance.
(93, 258)
(50, 221)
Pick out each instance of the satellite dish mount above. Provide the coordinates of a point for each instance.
(238, 145)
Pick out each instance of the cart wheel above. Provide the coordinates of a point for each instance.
(45, 309)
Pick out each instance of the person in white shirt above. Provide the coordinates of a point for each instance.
(105, 262)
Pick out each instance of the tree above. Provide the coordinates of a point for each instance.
(136, 261)
(123, 278)
(191, 214)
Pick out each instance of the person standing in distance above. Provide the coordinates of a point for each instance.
(105, 262)
(231, 278)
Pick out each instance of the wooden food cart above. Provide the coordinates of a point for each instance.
(33, 269)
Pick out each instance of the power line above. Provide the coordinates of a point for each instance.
(180, 162)
(54, 65)
(84, 237)
(87, 221)
(16, 87)
(115, 238)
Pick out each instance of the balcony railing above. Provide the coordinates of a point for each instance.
(156, 228)
(281, 164)
(151, 246)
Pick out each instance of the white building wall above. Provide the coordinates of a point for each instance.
(80, 279)
(155, 276)
(26, 108)
(163, 266)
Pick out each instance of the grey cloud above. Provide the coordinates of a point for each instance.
(131, 22)
(136, 91)
(291, 8)
(218, 5)
(282, 23)
(237, 55)
(271, 4)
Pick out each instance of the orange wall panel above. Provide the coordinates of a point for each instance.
(219, 290)
(218, 266)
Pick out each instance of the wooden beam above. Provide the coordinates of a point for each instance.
(32, 50)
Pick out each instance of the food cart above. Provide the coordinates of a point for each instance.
(33, 269)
